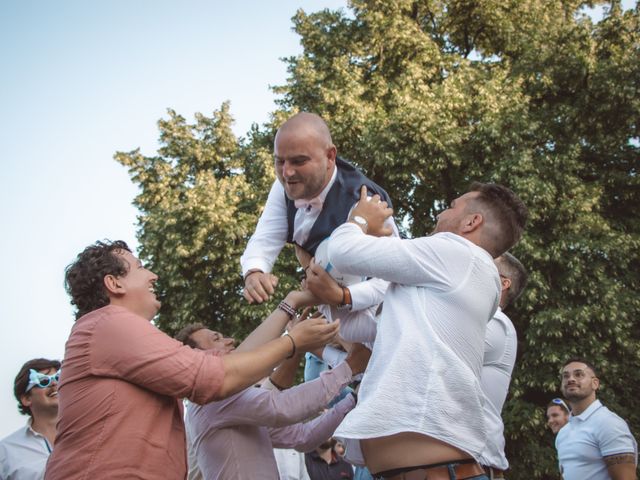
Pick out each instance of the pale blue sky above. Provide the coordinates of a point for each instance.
(80, 80)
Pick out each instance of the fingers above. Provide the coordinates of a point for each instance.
(363, 193)
(259, 287)
(305, 313)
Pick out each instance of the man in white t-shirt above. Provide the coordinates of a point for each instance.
(500, 348)
(596, 444)
(420, 401)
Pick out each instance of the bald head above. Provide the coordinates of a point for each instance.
(308, 124)
(305, 156)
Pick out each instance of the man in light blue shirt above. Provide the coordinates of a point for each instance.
(596, 444)
(24, 453)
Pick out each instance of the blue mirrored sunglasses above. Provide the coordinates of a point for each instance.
(40, 380)
(559, 401)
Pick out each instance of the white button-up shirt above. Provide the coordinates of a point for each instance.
(424, 373)
(24, 454)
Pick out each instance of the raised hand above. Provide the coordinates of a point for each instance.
(375, 212)
(322, 285)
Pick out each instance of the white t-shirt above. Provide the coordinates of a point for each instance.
(500, 348)
(424, 373)
(587, 438)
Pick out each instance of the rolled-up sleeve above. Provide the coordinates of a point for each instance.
(132, 349)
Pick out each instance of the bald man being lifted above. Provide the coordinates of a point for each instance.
(314, 192)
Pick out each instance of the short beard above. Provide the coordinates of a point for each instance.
(575, 397)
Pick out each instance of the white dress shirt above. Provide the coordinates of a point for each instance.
(24, 455)
(424, 373)
(587, 438)
(500, 348)
(270, 236)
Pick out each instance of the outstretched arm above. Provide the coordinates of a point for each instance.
(246, 368)
(305, 437)
(273, 326)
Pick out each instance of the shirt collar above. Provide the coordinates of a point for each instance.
(591, 409)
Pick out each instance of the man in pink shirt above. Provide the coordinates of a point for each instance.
(119, 414)
(235, 437)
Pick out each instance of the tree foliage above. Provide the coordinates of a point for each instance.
(199, 200)
(427, 96)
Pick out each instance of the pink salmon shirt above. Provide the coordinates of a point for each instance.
(120, 415)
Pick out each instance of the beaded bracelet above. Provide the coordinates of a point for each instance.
(288, 309)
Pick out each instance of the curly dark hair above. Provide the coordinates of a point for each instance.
(22, 379)
(507, 209)
(84, 278)
(184, 335)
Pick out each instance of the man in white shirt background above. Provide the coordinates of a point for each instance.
(596, 444)
(500, 348)
(24, 453)
(419, 410)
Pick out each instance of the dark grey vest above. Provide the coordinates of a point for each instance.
(342, 195)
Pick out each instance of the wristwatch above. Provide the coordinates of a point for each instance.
(361, 222)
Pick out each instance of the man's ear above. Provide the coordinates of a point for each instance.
(332, 153)
(506, 283)
(25, 399)
(472, 222)
(113, 285)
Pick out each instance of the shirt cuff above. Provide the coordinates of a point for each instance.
(256, 264)
(342, 374)
(345, 405)
(360, 295)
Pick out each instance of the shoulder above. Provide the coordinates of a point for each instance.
(608, 421)
(500, 318)
(13, 437)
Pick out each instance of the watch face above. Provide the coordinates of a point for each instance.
(358, 219)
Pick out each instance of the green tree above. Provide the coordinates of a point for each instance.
(428, 95)
(199, 201)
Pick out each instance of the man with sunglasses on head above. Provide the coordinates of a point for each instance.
(24, 453)
(596, 444)
(557, 414)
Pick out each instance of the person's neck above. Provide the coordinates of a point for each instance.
(326, 455)
(577, 408)
(45, 425)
